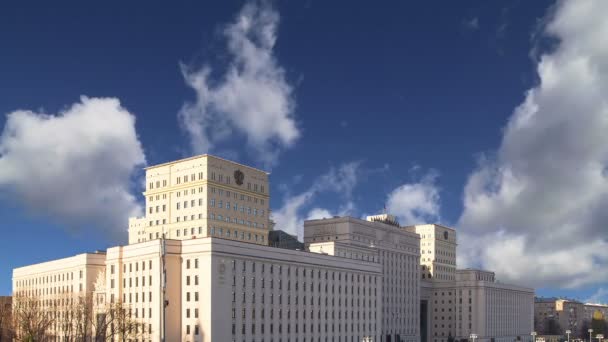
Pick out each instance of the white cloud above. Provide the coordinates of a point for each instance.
(599, 297)
(74, 167)
(341, 180)
(252, 98)
(536, 213)
(319, 213)
(472, 24)
(415, 203)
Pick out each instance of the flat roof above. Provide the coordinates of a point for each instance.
(427, 224)
(202, 156)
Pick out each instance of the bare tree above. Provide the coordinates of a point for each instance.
(126, 326)
(31, 322)
(6, 321)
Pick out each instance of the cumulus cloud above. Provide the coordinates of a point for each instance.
(598, 297)
(415, 203)
(536, 212)
(342, 180)
(74, 167)
(252, 98)
(472, 24)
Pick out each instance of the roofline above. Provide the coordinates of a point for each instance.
(425, 224)
(356, 219)
(201, 156)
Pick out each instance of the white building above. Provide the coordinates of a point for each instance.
(204, 196)
(396, 250)
(357, 280)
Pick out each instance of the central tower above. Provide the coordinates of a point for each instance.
(204, 196)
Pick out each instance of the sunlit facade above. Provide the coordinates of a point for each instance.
(199, 267)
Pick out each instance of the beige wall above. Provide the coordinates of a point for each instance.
(199, 196)
(58, 285)
(395, 249)
(200, 290)
(437, 251)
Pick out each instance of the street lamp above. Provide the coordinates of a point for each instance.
(473, 337)
(590, 331)
(367, 339)
(568, 332)
(533, 336)
(600, 337)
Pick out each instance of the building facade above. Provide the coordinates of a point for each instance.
(204, 196)
(437, 251)
(200, 266)
(396, 250)
(556, 315)
(58, 287)
(457, 303)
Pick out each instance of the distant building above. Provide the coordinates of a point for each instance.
(280, 239)
(597, 311)
(569, 314)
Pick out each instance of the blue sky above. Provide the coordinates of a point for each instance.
(351, 107)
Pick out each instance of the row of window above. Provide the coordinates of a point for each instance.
(326, 315)
(353, 328)
(301, 271)
(193, 177)
(236, 195)
(48, 279)
(235, 220)
(245, 236)
(235, 207)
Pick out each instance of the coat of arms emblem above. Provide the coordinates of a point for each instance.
(239, 177)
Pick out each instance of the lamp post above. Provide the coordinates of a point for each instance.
(473, 337)
(568, 332)
(590, 331)
(600, 337)
(533, 336)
